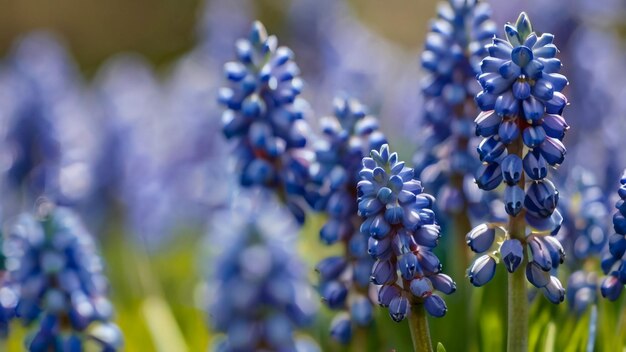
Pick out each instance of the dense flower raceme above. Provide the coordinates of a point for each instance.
(403, 232)
(584, 235)
(265, 117)
(451, 58)
(346, 138)
(46, 139)
(613, 261)
(522, 126)
(259, 292)
(56, 285)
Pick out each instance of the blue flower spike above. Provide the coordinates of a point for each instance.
(264, 117)
(584, 235)
(259, 296)
(401, 225)
(522, 129)
(68, 305)
(347, 136)
(451, 59)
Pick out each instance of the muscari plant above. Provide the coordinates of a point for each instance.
(522, 127)
(451, 58)
(613, 261)
(402, 231)
(260, 295)
(55, 284)
(265, 118)
(584, 236)
(347, 137)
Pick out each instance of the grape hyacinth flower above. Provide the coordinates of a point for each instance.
(613, 261)
(522, 127)
(344, 279)
(454, 48)
(584, 234)
(265, 117)
(403, 231)
(259, 292)
(60, 289)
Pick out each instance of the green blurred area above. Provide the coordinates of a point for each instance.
(162, 30)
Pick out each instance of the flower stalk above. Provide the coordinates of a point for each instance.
(418, 324)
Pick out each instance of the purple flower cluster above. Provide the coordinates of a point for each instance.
(403, 232)
(264, 116)
(344, 280)
(259, 295)
(55, 283)
(454, 48)
(522, 127)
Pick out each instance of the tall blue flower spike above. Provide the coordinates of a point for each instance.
(451, 58)
(344, 279)
(259, 295)
(47, 141)
(265, 117)
(613, 261)
(55, 279)
(522, 127)
(403, 231)
(585, 235)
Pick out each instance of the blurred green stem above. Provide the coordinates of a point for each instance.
(418, 323)
(359, 341)
(517, 336)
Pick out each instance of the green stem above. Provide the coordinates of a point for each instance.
(359, 341)
(418, 323)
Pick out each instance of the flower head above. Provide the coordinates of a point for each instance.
(344, 280)
(264, 115)
(56, 276)
(403, 232)
(522, 127)
(260, 295)
(451, 58)
(521, 121)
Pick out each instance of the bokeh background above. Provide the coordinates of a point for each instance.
(142, 78)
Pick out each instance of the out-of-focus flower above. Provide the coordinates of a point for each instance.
(344, 280)
(49, 143)
(446, 160)
(403, 232)
(584, 236)
(56, 284)
(264, 116)
(613, 261)
(259, 293)
(522, 126)
(135, 120)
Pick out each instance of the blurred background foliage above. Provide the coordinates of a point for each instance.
(162, 30)
(158, 294)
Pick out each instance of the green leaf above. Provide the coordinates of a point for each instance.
(440, 347)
